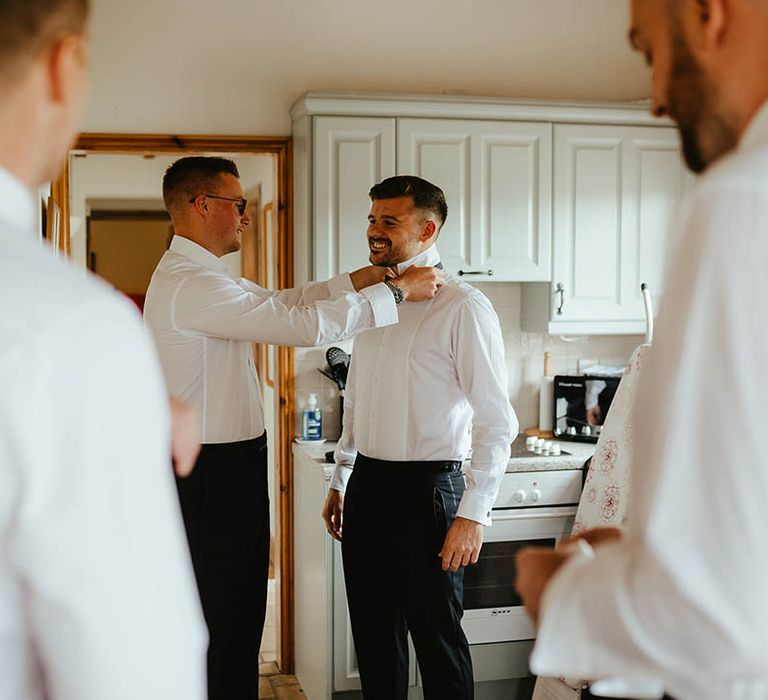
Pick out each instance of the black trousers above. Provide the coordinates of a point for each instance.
(396, 515)
(225, 505)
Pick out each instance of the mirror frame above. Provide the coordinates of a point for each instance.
(282, 148)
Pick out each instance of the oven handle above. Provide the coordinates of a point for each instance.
(534, 516)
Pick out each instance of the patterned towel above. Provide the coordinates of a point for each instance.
(604, 498)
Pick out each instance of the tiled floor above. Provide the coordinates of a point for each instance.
(272, 684)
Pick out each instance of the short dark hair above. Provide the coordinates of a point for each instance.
(424, 194)
(28, 26)
(193, 176)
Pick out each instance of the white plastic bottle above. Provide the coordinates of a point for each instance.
(312, 420)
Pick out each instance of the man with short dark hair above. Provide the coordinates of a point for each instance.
(398, 501)
(97, 597)
(682, 597)
(204, 322)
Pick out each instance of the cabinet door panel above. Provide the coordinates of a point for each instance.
(351, 155)
(513, 200)
(439, 151)
(617, 192)
(346, 674)
(495, 176)
(587, 239)
(658, 181)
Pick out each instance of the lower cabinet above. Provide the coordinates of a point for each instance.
(346, 675)
(326, 665)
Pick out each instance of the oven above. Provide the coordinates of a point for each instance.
(532, 509)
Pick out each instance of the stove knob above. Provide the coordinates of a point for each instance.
(535, 496)
(519, 496)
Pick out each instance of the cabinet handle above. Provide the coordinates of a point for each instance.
(475, 272)
(560, 289)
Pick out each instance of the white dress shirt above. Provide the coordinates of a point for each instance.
(415, 388)
(97, 595)
(204, 322)
(685, 597)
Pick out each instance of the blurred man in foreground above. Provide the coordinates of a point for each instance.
(682, 596)
(97, 596)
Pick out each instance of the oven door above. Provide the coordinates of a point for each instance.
(493, 612)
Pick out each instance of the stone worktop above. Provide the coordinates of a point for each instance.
(573, 456)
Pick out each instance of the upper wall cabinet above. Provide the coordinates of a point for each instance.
(617, 190)
(350, 155)
(575, 198)
(496, 178)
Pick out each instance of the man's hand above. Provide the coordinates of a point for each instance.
(535, 567)
(593, 415)
(462, 544)
(185, 437)
(367, 276)
(420, 283)
(333, 513)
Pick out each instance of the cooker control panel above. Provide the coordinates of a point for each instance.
(552, 488)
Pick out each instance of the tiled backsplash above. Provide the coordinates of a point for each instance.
(524, 354)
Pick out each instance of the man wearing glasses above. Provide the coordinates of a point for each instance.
(204, 322)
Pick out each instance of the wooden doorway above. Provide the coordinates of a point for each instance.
(281, 148)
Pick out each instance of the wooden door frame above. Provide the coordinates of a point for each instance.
(282, 148)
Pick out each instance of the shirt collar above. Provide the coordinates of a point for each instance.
(17, 205)
(195, 252)
(756, 133)
(427, 258)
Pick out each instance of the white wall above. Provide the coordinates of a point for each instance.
(235, 66)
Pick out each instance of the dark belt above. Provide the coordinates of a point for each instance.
(427, 468)
(226, 448)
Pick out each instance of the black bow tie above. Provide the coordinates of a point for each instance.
(439, 266)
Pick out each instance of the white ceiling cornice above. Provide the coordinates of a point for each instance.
(465, 107)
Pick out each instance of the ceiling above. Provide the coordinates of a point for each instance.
(236, 66)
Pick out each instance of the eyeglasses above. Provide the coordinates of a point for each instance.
(242, 202)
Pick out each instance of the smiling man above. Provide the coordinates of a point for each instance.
(682, 597)
(398, 502)
(204, 322)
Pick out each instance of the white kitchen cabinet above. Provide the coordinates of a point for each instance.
(496, 178)
(350, 155)
(326, 664)
(617, 190)
(575, 200)
(346, 675)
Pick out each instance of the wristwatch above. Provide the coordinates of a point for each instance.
(397, 292)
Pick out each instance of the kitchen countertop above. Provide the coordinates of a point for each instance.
(520, 461)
